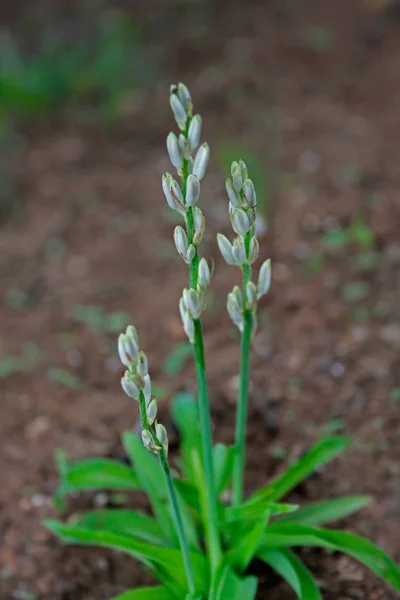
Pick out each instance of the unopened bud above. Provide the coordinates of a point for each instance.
(234, 311)
(174, 151)
(264, 278)
(194, 132)
(162, 436)
(225, 248)
(127, 349)
(184, 97)
(204, 274)
(254, 249)
(201, 161)
(148, 441)
(192, 190)
(142, 365)
(240, 221)
(249, 193)
(237, 293)
(243, 169)
(251, 294)
(147, 388)
(193, 303)
(188, 326)
(151, 411)
(181, 241)
(236, 173)
(184, 146)
(199, 225)
(190, 254)
(239, 252)
(172, 193)
(129, 386)
(233, 195)
(179, 110)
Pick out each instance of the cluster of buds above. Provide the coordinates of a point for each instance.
(192, 304)
(136, 384)
(190, 168)
(244, 249)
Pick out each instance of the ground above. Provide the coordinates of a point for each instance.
(311, 92)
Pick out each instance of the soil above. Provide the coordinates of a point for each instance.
(313, 90)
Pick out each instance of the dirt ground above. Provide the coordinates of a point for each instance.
(313, 89)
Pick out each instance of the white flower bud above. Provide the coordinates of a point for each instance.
(192, 190)
(182, 308)
(225, 248)
(251, 295)
(194, 132)
(254, 249)
(264, 278)
(240, 221)
(174, 151)
(181, 241)
(188, 326)
(192, 302)
(184, 97)
(239, 252)
(249, 193)
(184, 146)
(172, 193)
(148, 441)
(191, 251)
(204, 273)
(151, 411)
(234, 311)
(243, 169)
(129, 386)
(179, 110)
(233, 196)
(237, 292)
(201, 161)
(142, 365)
(128, 346)
(236, 173)
(162, 436)
(199, 225)
(147, 388)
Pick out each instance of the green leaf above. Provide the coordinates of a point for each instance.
(185, 413)
(121, 520)
(95, 474)
(166, 563)
(227, 585)
(280, 535)
(223, 463)
(322, 453)
(326, 511)
(147, 593)
(175, 362)
(151, 479)
(248, 512)
(243, 545)
(293, 571)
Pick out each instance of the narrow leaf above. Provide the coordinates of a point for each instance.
(243, 546)
(247, 512)
(280, 535)
(147, 593)
(323, 452)
(223, 463)
(185, 413)
(167, 563)
(226, 585)
(326, 511)
(293, 571)
(97, 473)
(121, 520)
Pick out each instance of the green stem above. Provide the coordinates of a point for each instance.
(214, 542)
(242, 408)
(178, 522)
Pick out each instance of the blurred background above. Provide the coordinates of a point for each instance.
(308, 94)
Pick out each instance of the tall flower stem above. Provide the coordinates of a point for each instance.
(242, 408)
(206, 441)
(178, 522)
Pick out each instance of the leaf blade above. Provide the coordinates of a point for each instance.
(121, 520)
(147, 593)
(292, 569)
(318, 513)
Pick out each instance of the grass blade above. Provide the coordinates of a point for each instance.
(327, 510)
(147, 593)
(293, 571)
(121, 520)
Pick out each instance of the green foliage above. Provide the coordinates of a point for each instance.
(97, 320)
(64, 378)
(97, 68)
(175, 362)
(260, 527)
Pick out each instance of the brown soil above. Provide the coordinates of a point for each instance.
(324, 122)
